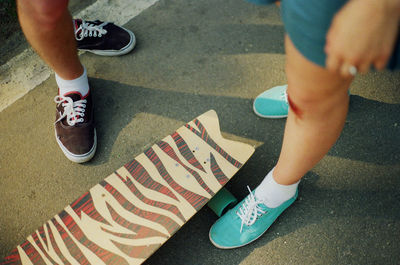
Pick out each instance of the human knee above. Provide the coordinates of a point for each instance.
(306, 103)
(47, 13)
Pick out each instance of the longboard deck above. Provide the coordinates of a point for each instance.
(125, 218)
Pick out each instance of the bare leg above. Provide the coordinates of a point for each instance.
(319, 104)
(47, 25)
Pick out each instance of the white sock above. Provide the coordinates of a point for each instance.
(274, 194)
(80, 84)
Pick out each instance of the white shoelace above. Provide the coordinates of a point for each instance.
(74, 111)
(285, 97)
(91, 30)
(250, 210)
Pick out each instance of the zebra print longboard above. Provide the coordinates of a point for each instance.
(125, 218)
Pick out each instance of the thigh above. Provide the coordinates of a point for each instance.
(307, 22)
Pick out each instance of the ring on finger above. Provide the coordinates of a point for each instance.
(353, 70)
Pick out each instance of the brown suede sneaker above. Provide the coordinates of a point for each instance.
(103, 38)
(74, 126)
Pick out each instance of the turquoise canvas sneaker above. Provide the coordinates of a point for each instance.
(246, 222)
(272, 103)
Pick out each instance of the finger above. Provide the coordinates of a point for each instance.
(328, 49)
(333, 63)
(364, 67)
(381, 62)
(330, 38)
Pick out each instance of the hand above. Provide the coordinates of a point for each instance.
(362, 34)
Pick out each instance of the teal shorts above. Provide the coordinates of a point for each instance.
(307, 23)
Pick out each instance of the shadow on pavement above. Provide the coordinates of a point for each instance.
(370, 135)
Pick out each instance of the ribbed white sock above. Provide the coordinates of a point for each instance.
(80, 84)
(274, 194)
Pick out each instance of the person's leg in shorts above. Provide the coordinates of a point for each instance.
(317, 97)
(319, 103)
(49, 28)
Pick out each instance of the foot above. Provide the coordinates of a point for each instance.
(272, 103)
(246, 222)
(103, 38)
(74, 126)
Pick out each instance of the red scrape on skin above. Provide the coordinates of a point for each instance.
(294, 107)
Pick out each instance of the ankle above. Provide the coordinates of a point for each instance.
(73, 72)
(79, 84)
(274, 194)
(282, 177)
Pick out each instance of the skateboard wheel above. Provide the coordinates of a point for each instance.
(222, 202)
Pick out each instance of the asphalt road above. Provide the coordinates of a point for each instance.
(193, 56)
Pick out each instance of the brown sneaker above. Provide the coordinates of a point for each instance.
(103, 38)
(74, 126)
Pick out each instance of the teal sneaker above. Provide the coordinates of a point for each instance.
(246, 222)
(272, 103)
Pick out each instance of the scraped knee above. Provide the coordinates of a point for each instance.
(294, 107)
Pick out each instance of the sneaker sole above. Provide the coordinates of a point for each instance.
(79, 158)
(123, 51)
(221, 247)
(267, 116)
